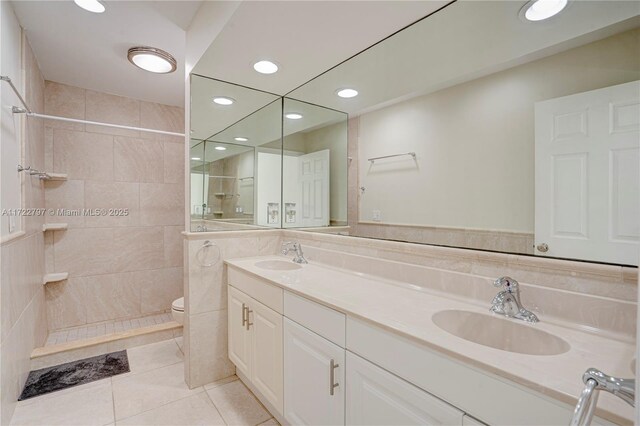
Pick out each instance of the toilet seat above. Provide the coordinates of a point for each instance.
(178, 305)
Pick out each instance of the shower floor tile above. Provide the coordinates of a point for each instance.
(102, 329)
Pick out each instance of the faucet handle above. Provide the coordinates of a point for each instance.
(508, 283)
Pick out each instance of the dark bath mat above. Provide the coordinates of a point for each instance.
(74, 373)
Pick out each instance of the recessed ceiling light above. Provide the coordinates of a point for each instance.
(539, 10)
(293, 116)
(223, 100)
(241, 139)
(265, 67)
(152, 59)
(221, 148)
(196, 158)
(91, 5)
(347, 93)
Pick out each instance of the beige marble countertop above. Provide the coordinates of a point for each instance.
(407, 310)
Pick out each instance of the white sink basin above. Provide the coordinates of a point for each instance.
(277, 265)
(499, 333)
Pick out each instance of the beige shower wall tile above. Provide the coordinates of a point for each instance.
(159, 288)
(138, 248)
(173, 246)
(83, 155)
(84, 251)
(138, 160)
(161, 204)
(112, 197)
(112, 109)
(162, 117)
(64, 101)
(65, 195)
(111, 296)
(48, 148)
(174, 163)
(65, 303)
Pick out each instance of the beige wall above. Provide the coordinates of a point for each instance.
(475, 141)
(119, 267)
(23, 323)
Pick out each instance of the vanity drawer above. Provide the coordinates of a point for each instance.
(324, 321)
(264, 292)
(484, 396)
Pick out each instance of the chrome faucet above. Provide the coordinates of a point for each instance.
(290, 246)
(507, 302)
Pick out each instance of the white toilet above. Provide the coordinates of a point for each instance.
(177, 310)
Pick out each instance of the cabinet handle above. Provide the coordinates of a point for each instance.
(245, 316)
(332, 373)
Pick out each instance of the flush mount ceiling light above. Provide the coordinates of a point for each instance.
(539, 10)
(221, 148)
(265, 67)
(241, 139)
(196, 158)
(293, 116)
(152, 59)
(347, 93)
(223, 100)
(90, 5)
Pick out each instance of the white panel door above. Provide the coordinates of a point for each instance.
(587, 175)
(376, 397)
(239, 337)
(314, 193)
(308, 399)
(267, 353)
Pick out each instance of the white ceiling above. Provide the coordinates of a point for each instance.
(89, 50)
(304, 37)
(464, 41)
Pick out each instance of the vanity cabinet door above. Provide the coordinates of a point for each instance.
(239, 336)
(377, 397)
(309, 395)
(267, 353)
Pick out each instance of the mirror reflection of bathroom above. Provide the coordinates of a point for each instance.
(236, 165)
(530, 147)
(314, 189)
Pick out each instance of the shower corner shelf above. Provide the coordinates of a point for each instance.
(56, 176)
(54, 227)
(52, 278)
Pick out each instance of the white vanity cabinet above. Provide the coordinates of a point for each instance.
(314, 378)
(255, 344)
(377, 397)
(314, 355)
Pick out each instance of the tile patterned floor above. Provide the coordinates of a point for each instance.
(94, 330)
(153, 393)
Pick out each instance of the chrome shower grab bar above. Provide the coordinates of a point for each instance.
(373, 159)
(595, 381)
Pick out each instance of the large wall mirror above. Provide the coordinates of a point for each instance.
(478, 128)
(261, 161)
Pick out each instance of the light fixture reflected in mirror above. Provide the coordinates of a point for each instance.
(220, 148)
(293, 116)
(539, 10)
(152, 59)
(196, 158)
(347, 93)
(223, 100)
(241, 139)
(90, 5)
(265, 67)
